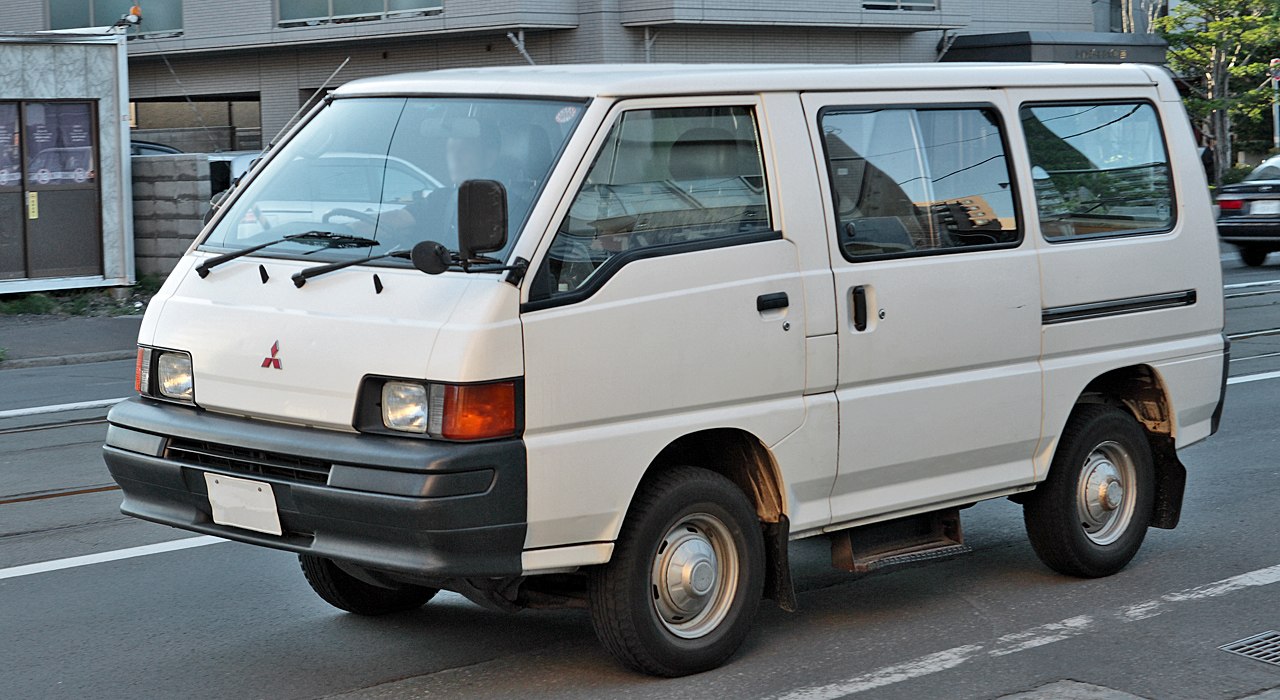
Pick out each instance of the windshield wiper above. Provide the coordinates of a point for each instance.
(300, 277)
(331, 240)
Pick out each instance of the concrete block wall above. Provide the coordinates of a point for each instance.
(170, 198)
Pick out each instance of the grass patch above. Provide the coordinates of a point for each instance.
(82, 302)
(4, 354)
(37, 303)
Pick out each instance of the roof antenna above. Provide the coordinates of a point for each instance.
(307, 105)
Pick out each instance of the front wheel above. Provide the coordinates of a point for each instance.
(682, 588)
(1090, 515)
(346, 592)
(1254, 257)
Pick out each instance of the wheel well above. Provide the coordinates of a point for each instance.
(1139, 390)
(740, 457)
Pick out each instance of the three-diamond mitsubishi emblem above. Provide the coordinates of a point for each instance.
(273, 361)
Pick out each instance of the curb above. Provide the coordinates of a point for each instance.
(83, 358)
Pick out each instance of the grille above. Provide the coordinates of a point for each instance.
(243, 460)
(1263, 647)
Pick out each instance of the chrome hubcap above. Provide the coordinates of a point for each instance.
(1106, 498)
(694, 576)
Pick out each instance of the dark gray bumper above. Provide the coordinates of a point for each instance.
(419, 508)
(1245, 232)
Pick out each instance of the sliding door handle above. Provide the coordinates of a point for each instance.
(777, 300)
(860, 308)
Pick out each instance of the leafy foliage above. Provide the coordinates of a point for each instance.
(1222, 48)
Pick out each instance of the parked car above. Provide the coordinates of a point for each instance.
(225, 167)
(1249, 213)
(650, 330)
(151, 148)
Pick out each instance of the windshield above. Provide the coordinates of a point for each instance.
(388, 169)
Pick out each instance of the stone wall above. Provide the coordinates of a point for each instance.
(170, 198)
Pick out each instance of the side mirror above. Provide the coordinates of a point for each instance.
(482, 217)
(430, 257)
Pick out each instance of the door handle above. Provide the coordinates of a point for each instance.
(777, 300)
(860, 308)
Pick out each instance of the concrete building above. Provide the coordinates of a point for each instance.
(66, 218)
(275, 53)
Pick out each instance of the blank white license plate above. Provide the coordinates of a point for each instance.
(249, 505)
(1265, 206)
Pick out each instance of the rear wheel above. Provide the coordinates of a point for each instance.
(682, 588)
(1090, 515)
(346, 592)
(1254, 257)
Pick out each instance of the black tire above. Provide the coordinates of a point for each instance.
(1065, 514)
(1254, 257)
(346, 592)
(625, 600)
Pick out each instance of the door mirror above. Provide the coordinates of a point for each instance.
(430, 257)
(482, 218)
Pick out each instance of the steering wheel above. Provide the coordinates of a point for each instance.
(350, 214)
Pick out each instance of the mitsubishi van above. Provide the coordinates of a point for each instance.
(612, 336)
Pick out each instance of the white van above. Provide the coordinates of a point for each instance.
(622, 332)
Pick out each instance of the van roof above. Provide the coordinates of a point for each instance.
(641, 79)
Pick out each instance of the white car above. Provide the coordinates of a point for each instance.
(664, 320)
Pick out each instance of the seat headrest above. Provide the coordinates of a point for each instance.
(708, 152)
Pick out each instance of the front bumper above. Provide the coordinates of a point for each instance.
(421, 509)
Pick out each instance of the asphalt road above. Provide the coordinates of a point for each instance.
(224, 620)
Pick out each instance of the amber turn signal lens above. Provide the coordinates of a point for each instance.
(479, 411)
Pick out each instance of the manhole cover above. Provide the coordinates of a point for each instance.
(1263, 647)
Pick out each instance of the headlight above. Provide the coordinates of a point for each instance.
(173, 375)
(404, 407)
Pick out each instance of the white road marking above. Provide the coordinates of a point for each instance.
(1247, 285)
(59, 408)
(1245, 379)
(103, 557)
(1029, 638)
(888, 675)
(1042, 635)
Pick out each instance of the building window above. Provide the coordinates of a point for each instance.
(157, 16)
(901, 5)
(295, 13)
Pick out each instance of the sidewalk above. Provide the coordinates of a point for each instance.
(42, 341)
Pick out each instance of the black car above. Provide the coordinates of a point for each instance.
(1249, 213)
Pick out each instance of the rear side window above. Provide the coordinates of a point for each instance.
(918, 181)
(1098, 169)
(665, 180)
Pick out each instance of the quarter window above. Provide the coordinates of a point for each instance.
(663, 177)
(1098, 169)
(918, 181)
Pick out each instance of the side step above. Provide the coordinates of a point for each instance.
(906, 540)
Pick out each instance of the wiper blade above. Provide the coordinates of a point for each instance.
(300, 277)
(331, 240)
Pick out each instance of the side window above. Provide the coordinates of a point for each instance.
(663, 177)
(918, 181)
(1098, 169)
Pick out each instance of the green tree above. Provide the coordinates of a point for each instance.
(1222, 48)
